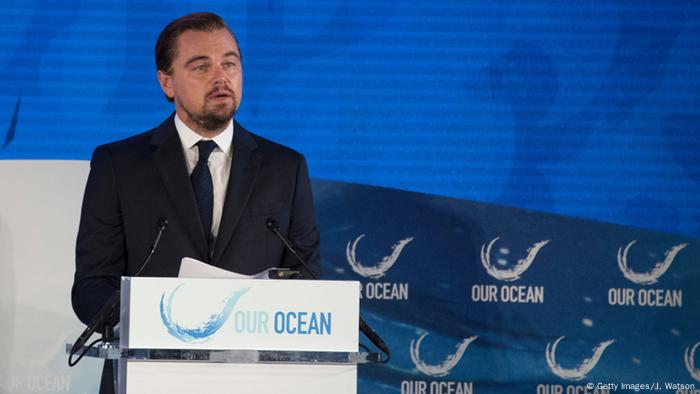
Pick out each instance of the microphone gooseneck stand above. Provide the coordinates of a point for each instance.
(107, 316)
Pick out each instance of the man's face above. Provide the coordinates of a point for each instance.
(205, 80)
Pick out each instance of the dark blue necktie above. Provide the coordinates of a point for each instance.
(203, 186)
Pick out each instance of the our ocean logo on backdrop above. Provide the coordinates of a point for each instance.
(446, 366)
(508, 293)
(653, 275)
(203, 331)
(378, 290)
(580, 371)
(690, 361)
(437, 370)
(518, 269)
(379, 270)
(649, 297)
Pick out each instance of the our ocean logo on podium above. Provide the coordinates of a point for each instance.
(378, 290)
(508, 293)
(690, 361)
(646, 297)
(258, 321)
(573, 373)
(437, 370)
(201, 332)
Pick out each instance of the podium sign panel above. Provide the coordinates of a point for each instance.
(238, 314)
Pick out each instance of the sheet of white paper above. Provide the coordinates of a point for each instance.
(191, 268)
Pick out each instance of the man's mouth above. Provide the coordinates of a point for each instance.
(219, 96)
(220, 93)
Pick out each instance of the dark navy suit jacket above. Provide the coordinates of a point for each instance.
(136, 182)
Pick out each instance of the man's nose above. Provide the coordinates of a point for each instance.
(219, 75)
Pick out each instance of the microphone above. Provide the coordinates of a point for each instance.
(364, 327)
(108, 315)
(275, 228)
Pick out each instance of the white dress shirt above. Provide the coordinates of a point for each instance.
(219, 163)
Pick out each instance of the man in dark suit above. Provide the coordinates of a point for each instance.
(213, 181)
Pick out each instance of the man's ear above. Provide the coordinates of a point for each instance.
(166, 83)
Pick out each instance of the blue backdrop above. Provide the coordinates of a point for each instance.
(480, 298)
(584, 109)
(589, 109)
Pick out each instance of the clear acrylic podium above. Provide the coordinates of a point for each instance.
(342, 365)
(237, 335)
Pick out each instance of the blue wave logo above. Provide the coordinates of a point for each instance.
(203, 331)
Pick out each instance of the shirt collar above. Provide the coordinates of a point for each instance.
(189, 138)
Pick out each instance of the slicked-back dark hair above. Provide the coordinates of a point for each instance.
(166, 46)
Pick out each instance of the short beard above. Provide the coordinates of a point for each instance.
(209, 120)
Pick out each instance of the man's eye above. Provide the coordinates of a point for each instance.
(201, 67)
(230, 65)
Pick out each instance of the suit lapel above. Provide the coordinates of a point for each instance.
(170, 161)
(244, 170)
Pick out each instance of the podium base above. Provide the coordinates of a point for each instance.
(178, 377)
